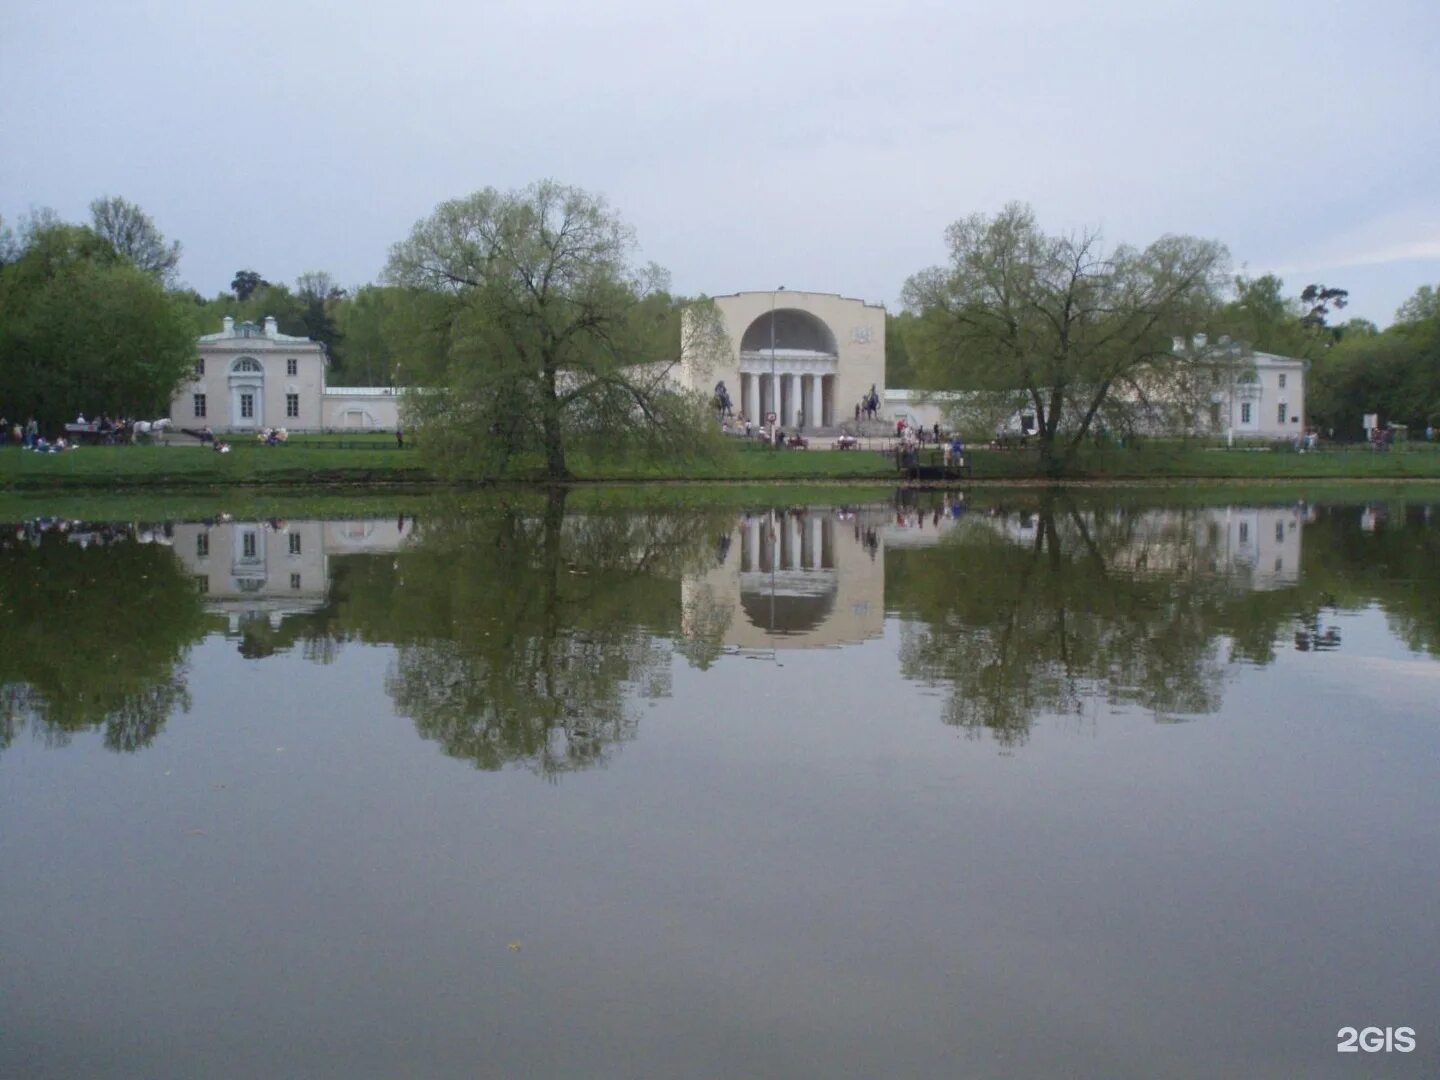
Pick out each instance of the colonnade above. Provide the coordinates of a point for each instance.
(787, 542)
(814, 395)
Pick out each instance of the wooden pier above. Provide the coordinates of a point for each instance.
(929, 464)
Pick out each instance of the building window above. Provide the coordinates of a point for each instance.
(292, 404)
(1245, 413)
(199, 400)
(292, 367)
(247, 545)
(1215, 414)
(294, 543)
(202, 545)
(1282, 382)
(295, 581)
(200, 367)
(247, 406)
(1280, 411)
(1279, 532)
(202, 584)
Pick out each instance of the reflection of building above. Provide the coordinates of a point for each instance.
(1259, 546)
(792, 579)
(246, 569)
(249, 377)
(824, 351)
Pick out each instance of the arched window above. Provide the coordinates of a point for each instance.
(247, 363)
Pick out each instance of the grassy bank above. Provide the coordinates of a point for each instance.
(320, 464)
(254, 503)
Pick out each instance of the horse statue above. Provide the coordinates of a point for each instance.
(149, 428)
(721, 401)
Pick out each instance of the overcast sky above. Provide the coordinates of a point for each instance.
(821, 146)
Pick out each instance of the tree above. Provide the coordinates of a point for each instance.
(82, 330)
(532, 329)
(245, 283)
(320, 296)
(366, 321)
(133, 236)
(1058, 318)
(1319, 302)
(899, 371)
(1395, 373)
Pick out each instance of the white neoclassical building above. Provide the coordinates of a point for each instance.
(250, 376)
(1257, 395)
(806, 357)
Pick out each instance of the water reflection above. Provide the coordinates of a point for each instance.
(524, 631)
(95, 624)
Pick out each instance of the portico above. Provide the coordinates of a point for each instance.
(806, 386)
(805, 357)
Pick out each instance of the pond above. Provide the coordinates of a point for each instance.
(1019, 784)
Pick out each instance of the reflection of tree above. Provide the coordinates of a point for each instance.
(705, 620)
(524, 633)
(1395, 564)
(1035, 612)
(93, 637)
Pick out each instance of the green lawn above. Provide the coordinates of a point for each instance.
(321, 461)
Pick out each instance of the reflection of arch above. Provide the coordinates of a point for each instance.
(797, 330)
(792, 613)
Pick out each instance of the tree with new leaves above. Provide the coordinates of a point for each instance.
(1072, 327)
(534, 330)
(84, 330)
(133, 236)
(245, 283)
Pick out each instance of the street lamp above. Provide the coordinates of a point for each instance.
(774, 385)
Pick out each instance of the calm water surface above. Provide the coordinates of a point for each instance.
(1052, 786)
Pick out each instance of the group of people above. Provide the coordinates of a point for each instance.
(736, 423)
(29, 437)
(913, 438)
(27, 434)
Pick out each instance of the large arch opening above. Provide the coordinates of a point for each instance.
(788, 365)
(795, 608)
(795, 332)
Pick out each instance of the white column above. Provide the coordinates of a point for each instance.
(815, 411)
(792, 414)
(752, 398)
(817, 542)
(796, 563)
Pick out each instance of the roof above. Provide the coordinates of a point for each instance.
(797, 292)
(360, 391)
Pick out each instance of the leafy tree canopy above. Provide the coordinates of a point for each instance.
(133, 236)
(1058, 318)
(533, 329)
(82, 329)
